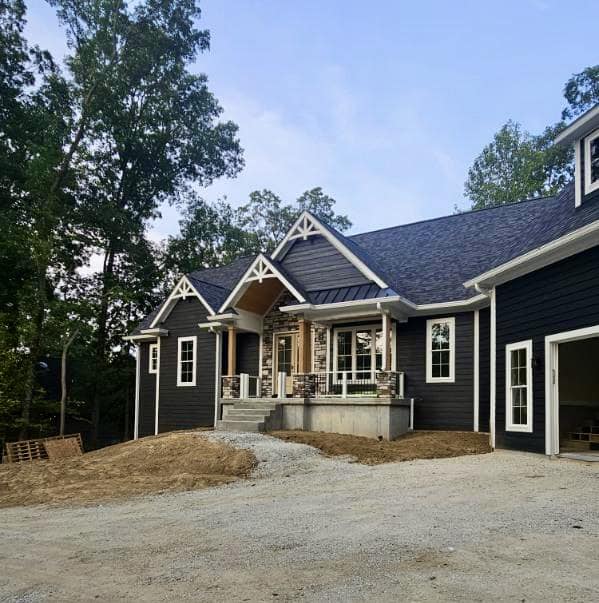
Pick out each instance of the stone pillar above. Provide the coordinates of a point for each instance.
(386, 384)
(231, 387)
(232, 351)
(304, 386)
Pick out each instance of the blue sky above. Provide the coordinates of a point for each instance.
(384, 104)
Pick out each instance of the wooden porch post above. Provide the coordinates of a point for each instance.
(304, 345)
(386, 343)
(232, 351)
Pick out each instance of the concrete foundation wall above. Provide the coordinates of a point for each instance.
(368, 417)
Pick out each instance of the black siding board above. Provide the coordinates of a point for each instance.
(317, 265)
(484, 369)
(248, 345)
(186, 407)
(438, 405)
(557, 298)
(147, 394)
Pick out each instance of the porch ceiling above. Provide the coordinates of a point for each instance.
(260, 296)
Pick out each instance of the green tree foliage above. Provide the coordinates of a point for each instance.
(86, 158)
(518, 165)
(267, 218)
(581, 92)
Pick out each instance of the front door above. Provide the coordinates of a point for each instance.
(285, 352)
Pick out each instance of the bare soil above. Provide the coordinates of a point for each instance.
(415, 445)
(174, 462)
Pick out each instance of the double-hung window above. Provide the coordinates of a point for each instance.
(518, 386)
(440, 350)
(153, 362)
(591, 163)
(186, 361)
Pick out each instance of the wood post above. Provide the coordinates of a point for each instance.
(387, 343)
(305, 346)
(232, 351)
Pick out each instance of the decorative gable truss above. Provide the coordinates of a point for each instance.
(260, 269)
(183, 289)
(308, 225)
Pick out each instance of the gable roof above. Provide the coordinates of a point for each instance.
(428, 262)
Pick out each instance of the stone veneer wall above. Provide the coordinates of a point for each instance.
(274, 322)
(280, 322)
(319, 341)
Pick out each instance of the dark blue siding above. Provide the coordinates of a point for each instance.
(438, 405)
(315, 264)
(558, 298)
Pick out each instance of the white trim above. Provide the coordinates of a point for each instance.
(328, 354)
(180, 340)
(308, 225)
(151, 348)
(260, 352)
(137, 386)
(493, 371)
(157, 399)
(476, 380)
(261, 268)
(386, 342)
(566, 246)
(374, 305)
(182, 290)
(509, 425)
(589, 186)
(429, 350)
(218, 373)
(577, 174)
(552, 385)
(575, 129)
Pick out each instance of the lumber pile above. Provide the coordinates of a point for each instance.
(52, 448)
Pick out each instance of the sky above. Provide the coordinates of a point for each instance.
(384, 104)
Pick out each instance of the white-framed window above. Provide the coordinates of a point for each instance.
(591, 162)
(358, 351)
(440, 350)
(186, 361)
(518, 386)
(153, 361)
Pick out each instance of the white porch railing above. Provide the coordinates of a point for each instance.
(345, 384)
(240, 386)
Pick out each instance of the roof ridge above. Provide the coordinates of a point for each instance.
(462, 213)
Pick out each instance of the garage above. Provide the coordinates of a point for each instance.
(573, 393)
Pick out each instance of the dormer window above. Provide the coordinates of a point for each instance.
(591, 164)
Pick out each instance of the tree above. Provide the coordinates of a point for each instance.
(267, 219)
(208, 237)
(581, 92)
(516, 166)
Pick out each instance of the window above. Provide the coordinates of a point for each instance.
(153, 368)
(440, 350)
(186, 361)
(518, 387)
(358, 351)
(591, 163)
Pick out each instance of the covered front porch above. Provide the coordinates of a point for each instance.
(330, 368)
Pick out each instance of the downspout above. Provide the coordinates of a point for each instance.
(137, 385)
(218, 371)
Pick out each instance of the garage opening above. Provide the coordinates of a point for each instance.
(579, 396)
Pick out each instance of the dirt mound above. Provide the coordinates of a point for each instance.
(169, 462)
(416, 445)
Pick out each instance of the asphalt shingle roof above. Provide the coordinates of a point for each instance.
(428, 262)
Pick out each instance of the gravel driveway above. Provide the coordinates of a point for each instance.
(501, 526)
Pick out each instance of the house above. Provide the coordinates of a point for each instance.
(485, 320)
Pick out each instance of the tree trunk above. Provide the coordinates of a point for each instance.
(63, 379)
(35, 349)
(100, 361)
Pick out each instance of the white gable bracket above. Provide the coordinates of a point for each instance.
(308, 225)
(260, 269)
(183, 289)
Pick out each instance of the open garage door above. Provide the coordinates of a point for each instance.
(573, 393)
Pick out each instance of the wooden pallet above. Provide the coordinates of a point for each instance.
(34, 450)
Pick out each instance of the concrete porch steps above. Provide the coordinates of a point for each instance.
(250, 415)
